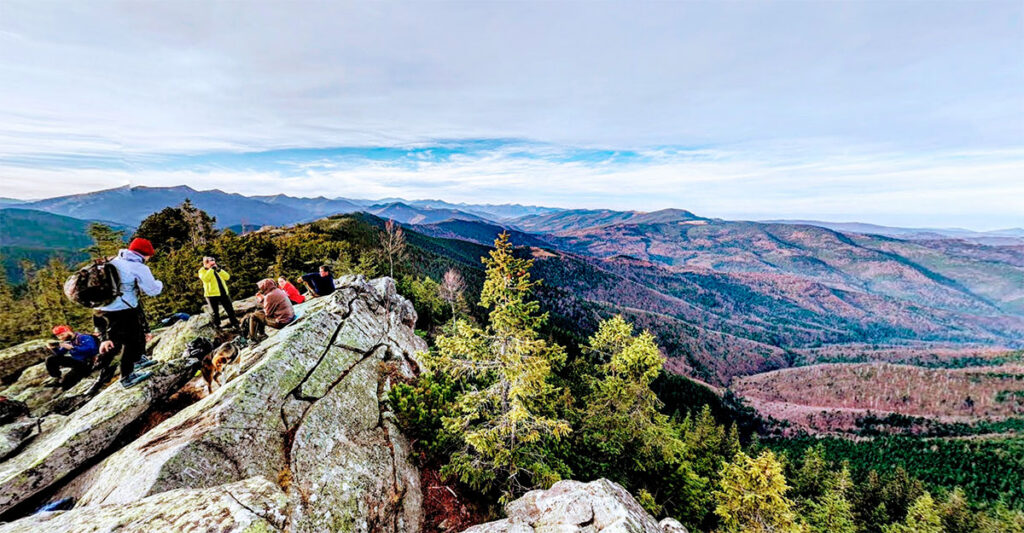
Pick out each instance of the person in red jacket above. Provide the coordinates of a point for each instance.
(290, 290)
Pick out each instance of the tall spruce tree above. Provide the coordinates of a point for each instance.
(922, 517)
(831, 512)
(507, 418)
(752, 496)
(623, 435)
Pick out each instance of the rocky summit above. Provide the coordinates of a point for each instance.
(298, 437)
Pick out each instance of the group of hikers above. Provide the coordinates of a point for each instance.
(121, 327)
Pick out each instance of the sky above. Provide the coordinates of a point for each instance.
(900, 113)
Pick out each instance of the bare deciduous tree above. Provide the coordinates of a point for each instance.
(451, 289)
(392, 242)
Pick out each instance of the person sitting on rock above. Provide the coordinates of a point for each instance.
(215, 289)
(319, 283)
(290, 290)
(277, 310)
(76, 351)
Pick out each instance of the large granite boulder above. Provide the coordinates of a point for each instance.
(306, 408)
(17, 358)
(92, 424)
(571, 506)
(251, 505)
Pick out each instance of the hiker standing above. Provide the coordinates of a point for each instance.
(215, 290)
(319, 283)
(121, 324)
(72, 350)
(277, 310)
(290, 290)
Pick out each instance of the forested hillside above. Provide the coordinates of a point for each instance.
(586, 382)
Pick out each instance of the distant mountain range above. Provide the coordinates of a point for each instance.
(725, 298)
(130, 205)
(1011, 236)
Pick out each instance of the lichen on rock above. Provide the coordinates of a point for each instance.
(572, 506)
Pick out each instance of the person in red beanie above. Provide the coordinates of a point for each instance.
(71, 350)
(122, 324)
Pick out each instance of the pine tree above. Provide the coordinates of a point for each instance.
(622, 433)
(922, 517)
(832, 512)
(14, 321)
(813, 476)
(752, 496)
(508, 419)
(957, 516)
(51, 307)
(106, 241)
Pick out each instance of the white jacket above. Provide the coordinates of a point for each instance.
(135, 276)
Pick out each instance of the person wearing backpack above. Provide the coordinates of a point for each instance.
(121, 324)
(215, 290)
(72, 350)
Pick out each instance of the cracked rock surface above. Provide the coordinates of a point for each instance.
(305, 409)
(572, 506)
(39, 459)
(252, 505)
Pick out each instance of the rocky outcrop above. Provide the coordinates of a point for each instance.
(251, 505)
(16, 433)
(306, 409)
(299, 436)
(69, 442)
(15, 359)
(569, 506)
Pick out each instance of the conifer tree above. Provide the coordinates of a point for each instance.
(813, 476)
(106, 241)
(922, 517)
(622, 413)
(507, 418)
(622, 432)
(752, 496)
(832, 512)
(957, 516)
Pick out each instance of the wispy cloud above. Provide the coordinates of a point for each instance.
(976, 188)
(888, 111)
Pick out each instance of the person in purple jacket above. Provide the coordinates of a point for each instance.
(76, 351)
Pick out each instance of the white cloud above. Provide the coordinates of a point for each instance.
(798, 109)
(968, 189)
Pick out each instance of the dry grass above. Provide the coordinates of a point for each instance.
(977, 393)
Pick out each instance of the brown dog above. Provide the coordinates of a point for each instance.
(215, 361)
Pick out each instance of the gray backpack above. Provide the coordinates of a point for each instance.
(95, 285)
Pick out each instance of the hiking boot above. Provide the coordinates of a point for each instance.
(52, 383)
(134, 379)
(145, 362)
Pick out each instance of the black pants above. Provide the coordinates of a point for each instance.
(215, 303)
(128, 333)
(79, 369)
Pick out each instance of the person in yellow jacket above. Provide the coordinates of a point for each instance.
(215, 289)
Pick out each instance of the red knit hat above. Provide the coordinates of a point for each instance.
(142, 246)
(60, 330)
